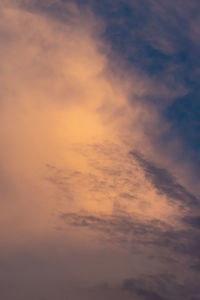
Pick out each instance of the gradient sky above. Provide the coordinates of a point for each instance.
(99, 156)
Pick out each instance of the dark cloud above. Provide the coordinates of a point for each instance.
(132, 286)
(161, 286)
(193, 221)
(126, 195)
(165, 182)
(196, 266)
(128, 231)
(115, 224)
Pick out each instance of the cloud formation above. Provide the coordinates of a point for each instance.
(92, 207)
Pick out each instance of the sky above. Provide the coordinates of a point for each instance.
(99, 156)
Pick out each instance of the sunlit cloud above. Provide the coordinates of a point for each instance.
(83, 174)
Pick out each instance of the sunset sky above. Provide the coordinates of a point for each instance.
(99, 156)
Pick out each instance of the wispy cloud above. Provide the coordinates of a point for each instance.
(89, 194)
(165, 183)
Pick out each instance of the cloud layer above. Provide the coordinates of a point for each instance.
(95, 204)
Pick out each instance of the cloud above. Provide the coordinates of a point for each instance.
(71, 111)
(162, 286)
(192, 221)
(165, 183)
(132, 287)
(127, 231)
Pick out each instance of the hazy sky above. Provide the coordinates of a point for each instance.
(99, 156)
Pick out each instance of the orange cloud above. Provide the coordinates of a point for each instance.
(67, 125)
(63, 107)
